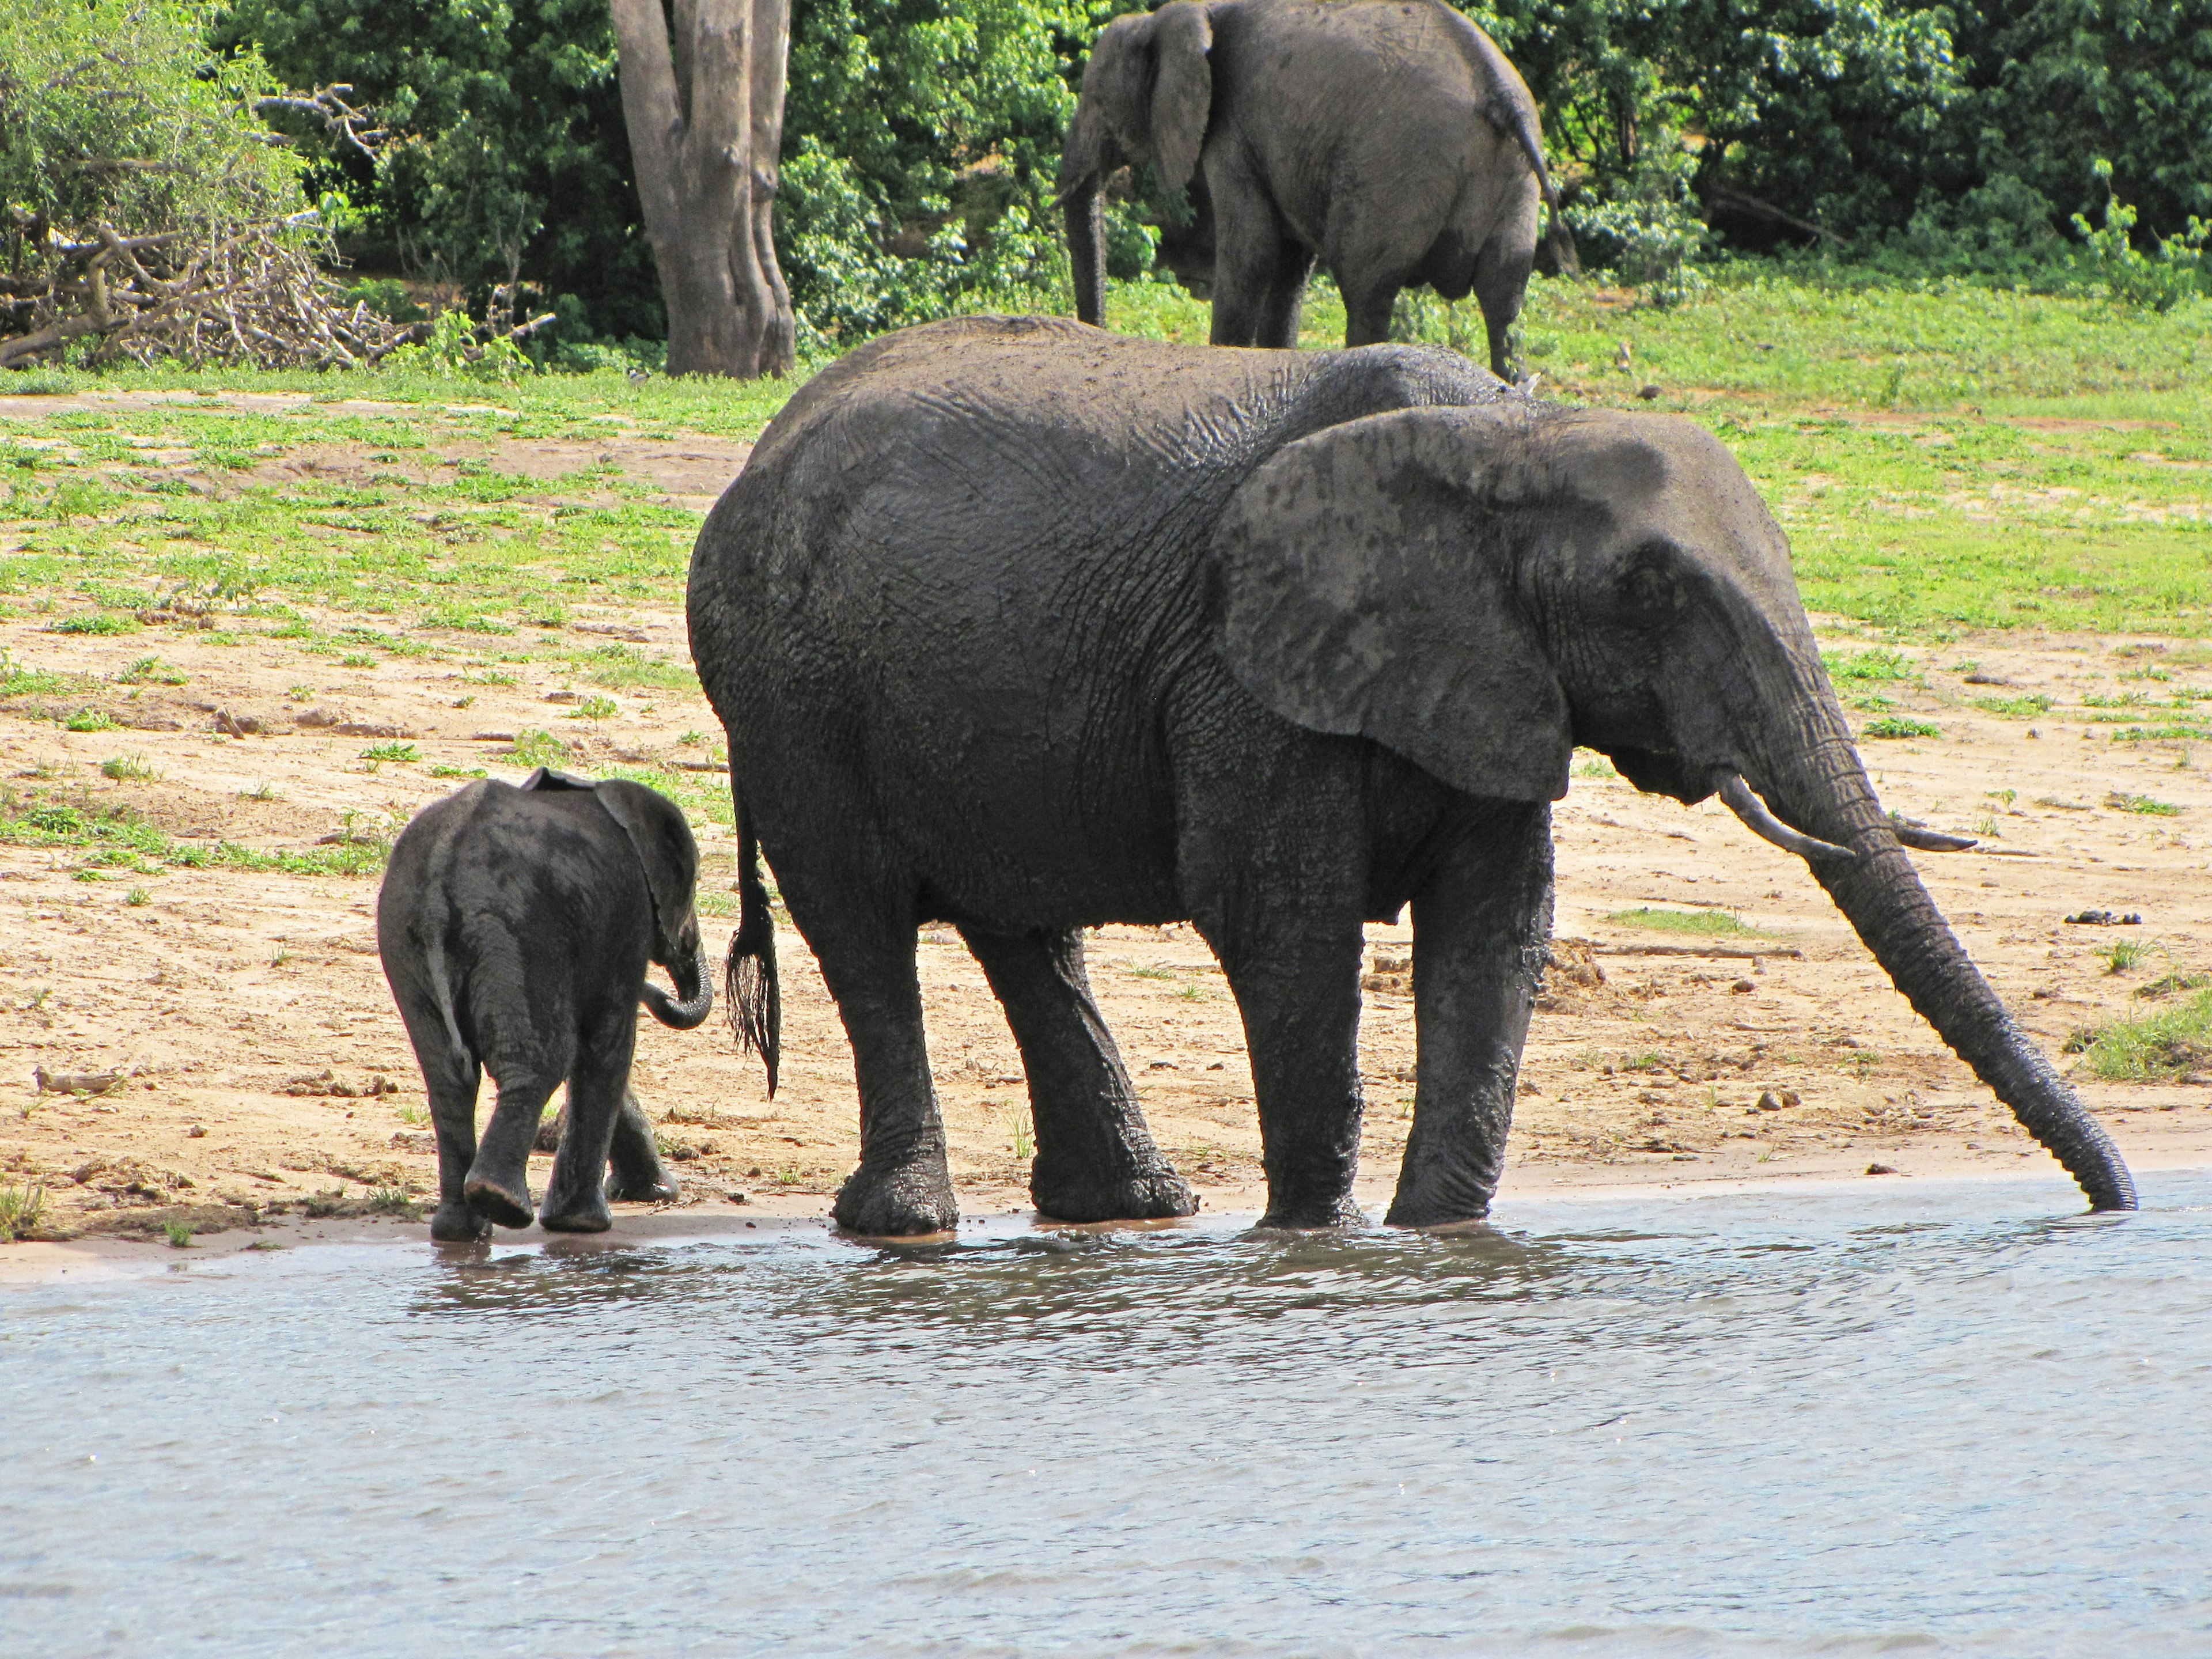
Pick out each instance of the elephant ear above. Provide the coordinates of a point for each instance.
(1182, 90)
(1366, 587)
(665, 851)
(1147, 87)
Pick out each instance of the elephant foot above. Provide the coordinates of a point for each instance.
(1315, 1214)
(656, 1189)
(507, 1203)
(898, 1200)
(457, 1223)
(588, 1214)
(1438, 1202)
(1152, 1191)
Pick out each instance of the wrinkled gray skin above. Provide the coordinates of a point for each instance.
(515, 926)
(1027, 627)
(1389, 138)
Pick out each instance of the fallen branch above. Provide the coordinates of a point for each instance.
(1722, 195)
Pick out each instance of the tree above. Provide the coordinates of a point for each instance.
(702, 97)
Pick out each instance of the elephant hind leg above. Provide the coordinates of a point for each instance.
(498, 1185)
(598, 1089)
(451, 1077)
(1096, 1160)
(1367, 307)
(1286, 297)
(636, 1174)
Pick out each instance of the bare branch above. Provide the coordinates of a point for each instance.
(349, 125)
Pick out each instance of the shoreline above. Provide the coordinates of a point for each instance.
(113, 1259)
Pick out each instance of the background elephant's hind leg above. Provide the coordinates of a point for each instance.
(1286, 297)
(1501, 282)
(1096, 1160)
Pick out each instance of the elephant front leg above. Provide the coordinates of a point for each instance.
(636, 1174)
(1096, 1160)
(1480, 927)
(1298, 987)
(452, 1080)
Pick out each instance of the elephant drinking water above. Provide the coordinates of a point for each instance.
(1026, 627)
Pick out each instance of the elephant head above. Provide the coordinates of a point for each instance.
(1481, 590)
(670, 859)
(1147, 92)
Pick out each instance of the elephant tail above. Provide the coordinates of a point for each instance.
(756, 1002)
(1517, 116)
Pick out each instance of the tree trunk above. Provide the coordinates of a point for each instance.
(702, 87)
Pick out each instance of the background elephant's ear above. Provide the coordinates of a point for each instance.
(666, 850)
(1182, 90)
(1366, 587)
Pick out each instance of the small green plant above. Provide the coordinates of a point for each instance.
(2143, 803)
(283, 956)
(487, 677)
(2015, 709)
(1900, 725)
(413, 1116)
(180, 1235)
(2167, 985)
(262, 791)
(691, 739)
(98, 621)
(1711, 924)
(2123, 954)
(1024, 1139)
(1880, 664)
(595, 708)
(393, 1200)
(129, 768)
(90, 719)
(137, 897)
(152, 671)
(1191, 993)
(444, 770)
(1138, 971)
(538, 748)
(21, 1206)
(2007, 796)
(300, 693)
(398, 753)
(1596, 766)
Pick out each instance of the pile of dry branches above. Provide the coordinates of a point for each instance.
(252, 296)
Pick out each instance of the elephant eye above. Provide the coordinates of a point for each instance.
(1649, 580)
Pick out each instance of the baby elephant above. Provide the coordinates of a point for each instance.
(516, 926)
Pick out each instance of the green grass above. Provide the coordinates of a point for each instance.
(1900, 725)
(179, 1235)
(129, 768)
(20, 1207)
(2159, 1047)
(2142, 804)
(396, 752)
(115, 836)
(1704, 923)
(2015, 709)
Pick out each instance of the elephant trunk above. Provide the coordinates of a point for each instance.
(1818, 786)
(694, 994)
(1086, 251)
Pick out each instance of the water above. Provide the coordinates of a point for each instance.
(1911, 1417)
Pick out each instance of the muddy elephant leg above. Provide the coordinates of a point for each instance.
(1480, 927)
(498, 1184)
(451, 1080)
(1095, 1159)
(1297, 983)
(636, 1174)
(862, 933)
(598, 1085)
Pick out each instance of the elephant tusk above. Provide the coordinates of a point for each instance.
(1932, 841)
(1764, 824)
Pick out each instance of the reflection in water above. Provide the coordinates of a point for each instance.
(1932, 1419)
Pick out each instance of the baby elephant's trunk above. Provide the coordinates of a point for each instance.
(693, 1001)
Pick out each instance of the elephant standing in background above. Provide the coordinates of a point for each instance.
(1027, 627)
(1389, 138)
(515, 926)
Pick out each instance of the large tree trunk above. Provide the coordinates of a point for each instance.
(703, 85)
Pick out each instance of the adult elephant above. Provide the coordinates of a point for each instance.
(1026, 627)
(1389, 138)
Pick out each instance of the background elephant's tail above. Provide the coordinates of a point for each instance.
(755, 1002)
(1519, 118)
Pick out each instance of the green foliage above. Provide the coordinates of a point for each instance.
(1900, 725)
(509, 156)
(2161, 1046)
(920, 140)
(2130, 277)
(21, 1208)
(116, 112)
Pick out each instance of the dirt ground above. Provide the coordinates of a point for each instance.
(257, 1068)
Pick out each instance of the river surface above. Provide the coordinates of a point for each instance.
(1913, 1417)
